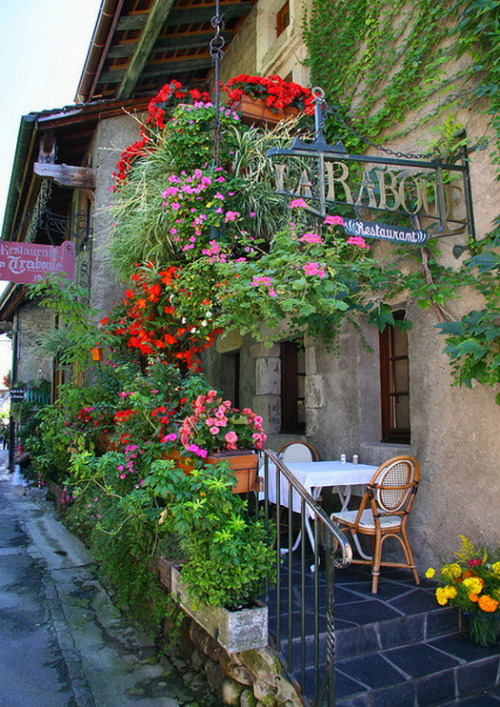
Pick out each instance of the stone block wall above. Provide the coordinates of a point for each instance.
(251, 678)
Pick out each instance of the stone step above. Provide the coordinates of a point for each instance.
(444, 670)
(398, 647)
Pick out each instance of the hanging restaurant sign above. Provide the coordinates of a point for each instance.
(29, 262)
(414, 198)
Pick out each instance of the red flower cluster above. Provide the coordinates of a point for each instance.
(151, 323)
(168, 97)
(276, 93)
(89, 417)
(128, 156)
(124, 415)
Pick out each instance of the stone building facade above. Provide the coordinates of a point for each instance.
(454, 431)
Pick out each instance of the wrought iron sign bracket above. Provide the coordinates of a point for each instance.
(417, 190)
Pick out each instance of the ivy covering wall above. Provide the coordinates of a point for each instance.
(395, 70)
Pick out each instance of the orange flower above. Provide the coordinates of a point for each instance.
(487, 603)
(473, 597)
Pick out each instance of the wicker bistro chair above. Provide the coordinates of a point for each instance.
(383, 513)
(298, 452)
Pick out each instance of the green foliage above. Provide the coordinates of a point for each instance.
(367, 56)
(75, 330)
(153, 226)
(124, 541)
(228, 555)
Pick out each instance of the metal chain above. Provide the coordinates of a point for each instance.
(330, 110)
(39, 210)
(217, 53)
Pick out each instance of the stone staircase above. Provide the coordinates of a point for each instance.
(397, 647)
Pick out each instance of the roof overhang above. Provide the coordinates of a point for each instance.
(137, 47)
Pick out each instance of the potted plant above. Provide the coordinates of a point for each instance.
(268, 98)
(472, 583)
(217, 431)
(228, 555)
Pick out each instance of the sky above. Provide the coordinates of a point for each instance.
(42, 52)
(43, 48)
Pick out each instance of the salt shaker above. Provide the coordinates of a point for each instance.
(343, 458)
(355, 459)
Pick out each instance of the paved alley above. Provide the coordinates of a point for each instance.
(62, 642)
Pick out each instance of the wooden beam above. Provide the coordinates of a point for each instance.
(67, 175)
(173, 42)
(154, 25)
(166, 67)
(47, 150)
(204, 13)
(178, 65)
(188, 15)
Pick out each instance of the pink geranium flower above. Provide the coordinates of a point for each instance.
(298, 204)
(358, 240)
(311, 238)
(314, 269)
(334, 221)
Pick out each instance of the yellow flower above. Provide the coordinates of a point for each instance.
(496, 568)
(431, 572)
(487, 603)
(450, 592)
(474, 584)
(441, 597)
(452, 571)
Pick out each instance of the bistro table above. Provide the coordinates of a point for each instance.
(314, 476)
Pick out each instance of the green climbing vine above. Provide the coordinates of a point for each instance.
(392, 67)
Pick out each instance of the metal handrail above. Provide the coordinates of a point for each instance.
(343, 550)
(295, 647)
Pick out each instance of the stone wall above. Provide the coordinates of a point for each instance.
(33, 323)
(111, 138)
(252, 678)
(454, 431)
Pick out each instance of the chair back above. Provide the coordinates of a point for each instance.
(393, 487)
(298, 452)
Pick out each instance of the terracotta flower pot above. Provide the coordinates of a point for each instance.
(244, 466)
(255, 111)
(184, 463)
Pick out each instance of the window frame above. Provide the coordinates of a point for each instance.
(282, 18)
(389, 394)
(289, 396)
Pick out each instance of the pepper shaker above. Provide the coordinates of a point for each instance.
(343, 458)
(355, 459)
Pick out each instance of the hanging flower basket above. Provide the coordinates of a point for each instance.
(243, 464)
(254, 111)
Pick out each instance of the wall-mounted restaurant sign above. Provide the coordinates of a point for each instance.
(29, 262)
(404, 200)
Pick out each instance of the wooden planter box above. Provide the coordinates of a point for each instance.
(244, 466)
(237, 631)
(255, 112)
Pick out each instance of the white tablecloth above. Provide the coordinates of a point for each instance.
(317, 475)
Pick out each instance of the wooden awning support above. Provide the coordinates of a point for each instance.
(67, 175)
